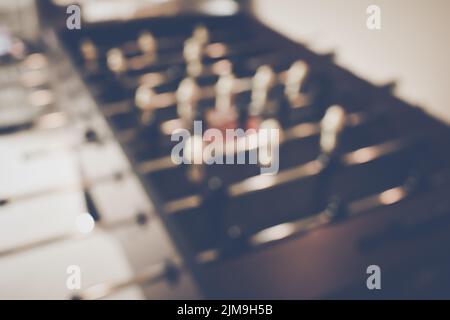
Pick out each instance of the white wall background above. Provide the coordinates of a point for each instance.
(412, 47)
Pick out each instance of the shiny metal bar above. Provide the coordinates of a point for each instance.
(84, 185)
(301, 226)
(315, 167)
(139, 219)
(165, 271)
(300, 131)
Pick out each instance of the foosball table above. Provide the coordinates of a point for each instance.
(362, 178)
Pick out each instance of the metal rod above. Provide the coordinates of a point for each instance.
(63, 189)
(166, 271)
(325, 217)
(315, 167)
(139, 219)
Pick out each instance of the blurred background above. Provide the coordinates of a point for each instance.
(46, 167)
